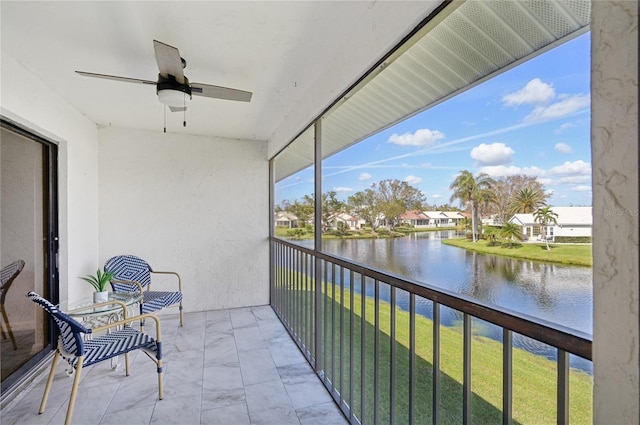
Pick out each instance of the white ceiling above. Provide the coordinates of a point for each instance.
(277, 50)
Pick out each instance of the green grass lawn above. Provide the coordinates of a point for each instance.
(534, 377)
(570, 254)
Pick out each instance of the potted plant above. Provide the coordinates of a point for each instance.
(99, 281)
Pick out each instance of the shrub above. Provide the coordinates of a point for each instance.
(295, 233)
(403, 230)
(573, 239)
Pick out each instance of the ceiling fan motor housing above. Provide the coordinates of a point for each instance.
(170, 83)
(171, 92)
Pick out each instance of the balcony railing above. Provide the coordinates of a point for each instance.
(378, 343)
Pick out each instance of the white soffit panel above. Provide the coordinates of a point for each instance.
(477, 40)
(297, 156)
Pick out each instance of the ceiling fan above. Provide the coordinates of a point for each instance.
(173, 88)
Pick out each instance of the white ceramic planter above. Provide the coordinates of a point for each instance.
(101, 297)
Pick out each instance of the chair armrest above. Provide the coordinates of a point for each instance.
(130, 282)
(173, 273)
(92, 306)
(129, 320)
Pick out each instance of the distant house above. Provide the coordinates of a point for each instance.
(415, 218)
(444, 218)
(351, 222)
(493, 220)
(424, 219)
(572, 221)
(285, 219)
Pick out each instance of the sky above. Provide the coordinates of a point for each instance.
(533, 119)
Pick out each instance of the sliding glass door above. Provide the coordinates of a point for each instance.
(28, 247)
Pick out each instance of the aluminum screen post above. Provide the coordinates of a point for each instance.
(318, 245)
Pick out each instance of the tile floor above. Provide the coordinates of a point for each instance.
(225, 367)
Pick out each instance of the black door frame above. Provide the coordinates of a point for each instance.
(50, 247)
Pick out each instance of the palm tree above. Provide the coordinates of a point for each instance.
(511, 231)
(472, 191)
(486, 197)
(527, 200)
(463, 225)
(545, 216)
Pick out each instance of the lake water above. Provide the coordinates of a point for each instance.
(556, 293)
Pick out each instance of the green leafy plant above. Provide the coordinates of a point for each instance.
(99, 281)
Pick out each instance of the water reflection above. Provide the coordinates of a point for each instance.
(556, 293)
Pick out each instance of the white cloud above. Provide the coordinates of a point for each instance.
(493, 154)
(559, 109)
(422, 137)
(565, 126)
(575, 167)
(576, 173)
(575, 179)
(412, 179)
(562, 148)
(571, 172)
(364, 176)
(555, 197)
(342, 189)
(535, 92)
(436, 196)
(510, 170)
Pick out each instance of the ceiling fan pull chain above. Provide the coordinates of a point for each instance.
(165, 118)
(184, 111)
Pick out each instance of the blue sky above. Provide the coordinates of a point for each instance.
(533, 119)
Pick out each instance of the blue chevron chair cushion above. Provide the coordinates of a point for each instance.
(154, 300)
(78, 351)
(71, 338)
(130, 268)
(97, 349)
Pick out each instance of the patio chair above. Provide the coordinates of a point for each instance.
(133, 274)
(7, 275)
(79, 351)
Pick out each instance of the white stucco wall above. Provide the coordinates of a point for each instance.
(616, 277)
(28, 102)
(191, 204)
(570, 231)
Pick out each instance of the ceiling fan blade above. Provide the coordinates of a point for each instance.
(169, 61)
(218, 92)
(116, 78)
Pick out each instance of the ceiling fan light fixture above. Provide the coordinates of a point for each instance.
(174, 98)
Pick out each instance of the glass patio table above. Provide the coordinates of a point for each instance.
(93, 314)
